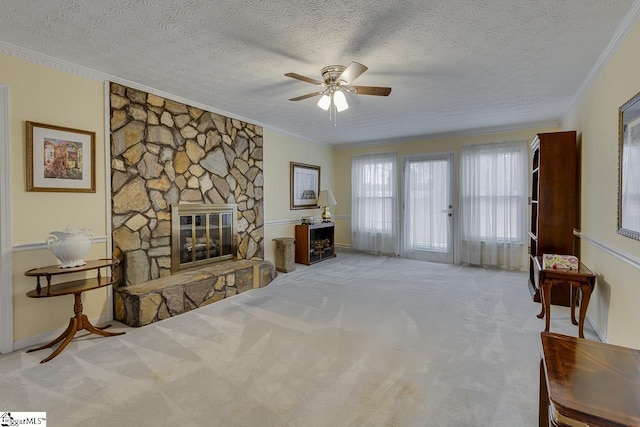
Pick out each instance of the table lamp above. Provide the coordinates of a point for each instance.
(325, 200)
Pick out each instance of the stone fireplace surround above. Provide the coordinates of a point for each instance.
(165, 153)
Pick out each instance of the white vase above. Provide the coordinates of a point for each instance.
(71, 245)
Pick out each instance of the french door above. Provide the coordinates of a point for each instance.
(428, 225)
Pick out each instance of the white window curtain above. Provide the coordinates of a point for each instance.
(493, 205)
(374, 204)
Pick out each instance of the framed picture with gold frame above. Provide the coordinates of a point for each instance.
(305, 186)
(628, 172)
(60, 159)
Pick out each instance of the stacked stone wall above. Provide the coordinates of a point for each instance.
(164, 153)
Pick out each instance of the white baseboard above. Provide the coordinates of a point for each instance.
(596, 330)
(50, 336)
(342, 247)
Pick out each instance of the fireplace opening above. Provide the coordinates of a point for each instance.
(202, 234)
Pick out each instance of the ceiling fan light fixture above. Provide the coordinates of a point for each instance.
(324, 102)
(336, 80)
(340, 101)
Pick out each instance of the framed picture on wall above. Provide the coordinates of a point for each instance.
(305, 186)
(628, 172)
(60, 159)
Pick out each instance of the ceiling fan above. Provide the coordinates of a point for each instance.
(337, 80)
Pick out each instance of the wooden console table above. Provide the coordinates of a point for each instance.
(588, 383)
(76, 287)
(582, 279)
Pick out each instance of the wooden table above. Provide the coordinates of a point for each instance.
(588, 383)
(582, 279)
(76, 287)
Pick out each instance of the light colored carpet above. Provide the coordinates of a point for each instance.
(354, 341)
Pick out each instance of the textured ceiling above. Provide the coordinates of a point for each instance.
(454, 65)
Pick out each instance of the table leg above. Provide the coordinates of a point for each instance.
(77, 323)
(96, 330)
(57, 340)
(574, 301)
(546, 303)
(67, 340)
(542, 308)
(586, 296)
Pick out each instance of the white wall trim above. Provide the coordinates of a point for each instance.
(48, 336)
(595, 329)
(281, 222)
(79, 70)
(6, 256)
(454, 134)
(623, 256)
(107, 180)
(621, 33)
(34, 246)
(297, 220)
(342, 246)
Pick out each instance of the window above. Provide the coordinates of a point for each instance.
(374, 203)
(494, 189)
(493, 203)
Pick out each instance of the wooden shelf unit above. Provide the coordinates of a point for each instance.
(553, 204)
(314, 242)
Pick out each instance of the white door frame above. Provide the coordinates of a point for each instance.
(6, 253)
(454, 197)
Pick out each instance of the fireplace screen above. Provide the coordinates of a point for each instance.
(202, 234)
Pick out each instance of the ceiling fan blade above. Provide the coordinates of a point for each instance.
(352, 72)
(370, 90)
(303, 78)
(309, 95)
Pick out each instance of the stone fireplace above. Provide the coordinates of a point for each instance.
(202, 234)
(165, 154)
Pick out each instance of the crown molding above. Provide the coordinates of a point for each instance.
(621, 33)
(455, 134)
(51, 62)
(89, 73)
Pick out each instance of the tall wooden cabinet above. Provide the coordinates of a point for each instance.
(553, 204)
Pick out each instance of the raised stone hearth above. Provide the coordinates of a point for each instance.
(145, 303)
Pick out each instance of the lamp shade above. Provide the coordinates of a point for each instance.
(324, 102)
(340, 101)
(326, 198)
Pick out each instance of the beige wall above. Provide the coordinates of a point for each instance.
(279, 151)
(343, 158)
(614, 306)
(44, 95)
